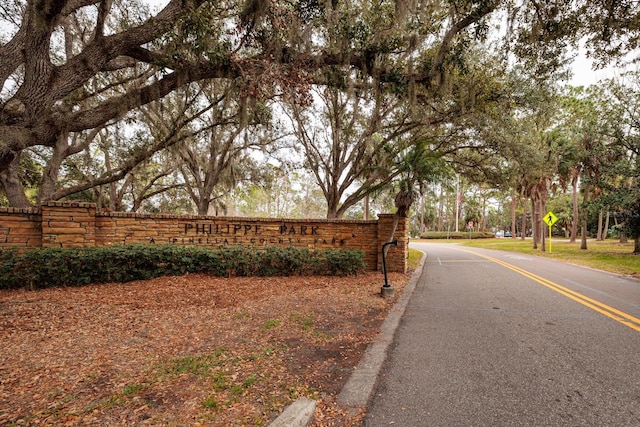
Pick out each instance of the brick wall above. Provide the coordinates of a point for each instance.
(20, 228)
(69, 224)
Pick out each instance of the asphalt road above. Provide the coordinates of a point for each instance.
(492, 338)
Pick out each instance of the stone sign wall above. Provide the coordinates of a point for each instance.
(69, 224)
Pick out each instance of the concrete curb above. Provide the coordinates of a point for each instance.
(298, 414)
(359, 387)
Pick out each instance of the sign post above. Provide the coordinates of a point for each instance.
(550, 219)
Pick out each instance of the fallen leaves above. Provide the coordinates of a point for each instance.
(185, 350)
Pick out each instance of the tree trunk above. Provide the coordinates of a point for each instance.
(583, 242)
(203, 206)
(396, 220)
(623, 237)
(403, 201)
(636, 245)
(366, 207)
(534, 223)
(513, 216)
(523, 226)
(574, 222)
(333, 201)
(605, 230)
(421, 225)
(483, 221)
(543, 229)
(583, 235)
(599, 234)
(12, 185)
(52, 171)
(441, 210)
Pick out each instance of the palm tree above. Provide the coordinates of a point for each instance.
(418, 166)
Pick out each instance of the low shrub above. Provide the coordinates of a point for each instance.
(41, 268)
(337, 262)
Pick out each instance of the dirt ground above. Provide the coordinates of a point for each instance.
(191, 350)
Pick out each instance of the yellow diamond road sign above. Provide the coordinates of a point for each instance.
(550, 218)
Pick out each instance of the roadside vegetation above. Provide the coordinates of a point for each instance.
(605, 255)
(42, 268)
(414, 258)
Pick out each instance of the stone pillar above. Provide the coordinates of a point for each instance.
(68, 224)
(396, 255)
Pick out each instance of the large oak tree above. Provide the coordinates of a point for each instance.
(73, 66)
(112, 63)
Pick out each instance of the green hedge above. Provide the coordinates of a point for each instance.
(456, 235)
(41, 268)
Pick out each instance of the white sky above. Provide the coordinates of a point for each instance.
(584, 75)
(157, 4)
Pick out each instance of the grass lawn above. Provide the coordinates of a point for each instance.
(414, 258)
(609, 255)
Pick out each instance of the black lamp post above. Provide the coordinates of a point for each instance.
(386, 290)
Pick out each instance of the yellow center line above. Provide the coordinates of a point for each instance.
(617, 315)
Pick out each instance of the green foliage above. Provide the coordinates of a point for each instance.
(270, 324)
(200, 365)
(414, 258)
(305, 320)
(42, 268)
(131, 389)
(210, 403)
(456, 235)
(337, 262)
